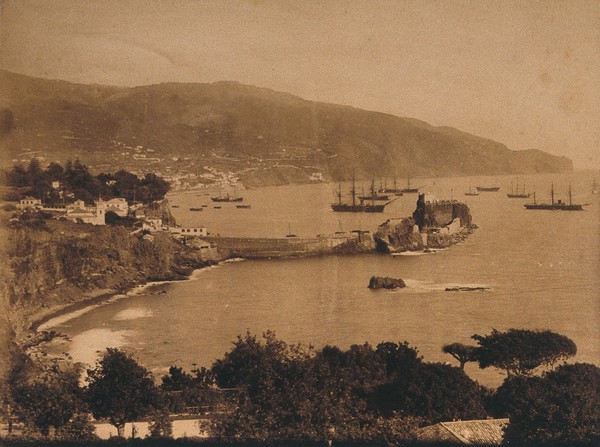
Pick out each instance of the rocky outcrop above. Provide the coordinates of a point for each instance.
(397, 235)
(385, 282)
(439, 213)
(434, 224)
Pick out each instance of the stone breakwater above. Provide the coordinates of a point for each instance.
(261, 248)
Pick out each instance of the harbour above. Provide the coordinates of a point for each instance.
(543, 267)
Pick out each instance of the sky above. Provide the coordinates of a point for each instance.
(525, 73)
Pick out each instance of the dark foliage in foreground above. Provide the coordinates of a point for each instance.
(280, 394)
(561, 406)
(522, 351)
(363, 393)
(227, 443)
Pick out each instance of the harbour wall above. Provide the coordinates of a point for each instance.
(256, 248)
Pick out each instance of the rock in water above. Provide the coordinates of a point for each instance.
(384, 282)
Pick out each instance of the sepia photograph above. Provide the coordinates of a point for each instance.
(247, 223)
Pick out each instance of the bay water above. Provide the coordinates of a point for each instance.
(542, 269)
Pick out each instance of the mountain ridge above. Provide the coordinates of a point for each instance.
(255, 132)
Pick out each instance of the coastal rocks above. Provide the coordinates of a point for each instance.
(385, 282)
(465, 288)
(441, 240)
(397, 235)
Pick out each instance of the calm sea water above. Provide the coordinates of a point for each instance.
(543, 269)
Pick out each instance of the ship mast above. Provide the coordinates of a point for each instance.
(373, 190)
(552, 192)
(353, 191)
(570, 201)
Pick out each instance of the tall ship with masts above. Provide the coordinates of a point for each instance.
(227, 198)
(362, 206)
(395, 190)
(409, 189)
(555, 204)
(515, 194)
(375, 195)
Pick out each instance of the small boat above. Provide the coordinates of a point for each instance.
(594, 187)
(195, 209)
(555, 205)
(217, 207)
(174, 206)
(472, 192)
(204, 206)
(487, 188)
(243, 206)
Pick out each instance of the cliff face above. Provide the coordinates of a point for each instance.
(59, 262)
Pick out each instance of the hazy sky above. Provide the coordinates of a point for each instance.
(525, 73)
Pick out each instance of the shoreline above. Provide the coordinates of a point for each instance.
(38, 320)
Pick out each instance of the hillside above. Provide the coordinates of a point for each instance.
(263, 136)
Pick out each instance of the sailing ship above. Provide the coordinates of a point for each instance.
(395, 190)
(408, 189)
(355, 207)
(555, 205)
(375, 195)
(227, 198)
(515, 194)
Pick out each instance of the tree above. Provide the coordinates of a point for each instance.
(521, 351)
(560, 407)
(48, 399)
(432, 391)
(120, 389)
(462, 353)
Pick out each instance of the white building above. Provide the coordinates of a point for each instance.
(188, 231)
(29, 202)
(92, 216)
(118, 205)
